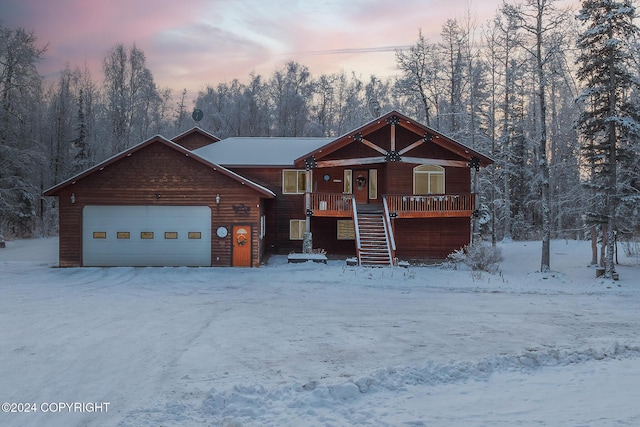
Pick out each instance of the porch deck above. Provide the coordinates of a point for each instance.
(400, 206)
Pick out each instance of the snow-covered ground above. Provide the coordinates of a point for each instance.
(319, 345)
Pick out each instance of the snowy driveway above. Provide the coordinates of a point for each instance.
(313, 344)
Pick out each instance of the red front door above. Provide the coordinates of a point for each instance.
(361, 186)
(241, 238)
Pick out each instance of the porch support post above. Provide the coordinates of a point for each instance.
(307, 240)
(474, 165)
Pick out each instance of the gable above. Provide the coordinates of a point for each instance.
(404, 139)
(394, 138)
(154, 168)
(154, 163)
(195, 138)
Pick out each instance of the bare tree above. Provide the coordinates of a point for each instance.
(130, 94)
(420, 74)
(453, 39)
(291, 89)
(541, 21)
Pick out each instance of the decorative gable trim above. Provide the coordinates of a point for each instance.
(393, 119)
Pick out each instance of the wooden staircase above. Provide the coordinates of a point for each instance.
(374, 243)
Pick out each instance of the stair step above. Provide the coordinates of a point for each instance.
(374, 249)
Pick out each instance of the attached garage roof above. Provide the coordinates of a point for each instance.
(159, 140)
(258, 151)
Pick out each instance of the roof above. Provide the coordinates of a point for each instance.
(420, 129)
(260, 151)
(154, 140)
(195, 129)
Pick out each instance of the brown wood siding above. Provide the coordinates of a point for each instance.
(354, 150)
(335, 184)
(283, 208)
(457, 180)
(194, 140)
(431, 150)
(382, 138)
(325, 233)
(430, 238)
(158, 175)
(399, 179)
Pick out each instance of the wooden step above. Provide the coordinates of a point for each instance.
(374, 249)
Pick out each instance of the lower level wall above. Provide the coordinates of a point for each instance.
(416, 239)
(430, 238)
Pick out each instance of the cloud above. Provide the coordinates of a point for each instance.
(191, 44)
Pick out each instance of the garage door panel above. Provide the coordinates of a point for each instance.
(124, 228)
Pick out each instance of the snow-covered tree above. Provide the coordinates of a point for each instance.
(610, 124)
(291, 89)
(130, 96)
(20, 101)
(542, 23)
(420, 69)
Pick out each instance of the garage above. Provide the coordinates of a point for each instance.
(146, 236)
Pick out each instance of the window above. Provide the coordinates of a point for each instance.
(346, 229)
(194, 235)
(348, 177)
(297, 227)
(428, 179)
(146, 235)
(373, 183)
(170, 234)
(294, 181)
(99, 234)
(123, 235)
(263, 227)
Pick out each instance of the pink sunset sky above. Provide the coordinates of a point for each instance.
(205, 42)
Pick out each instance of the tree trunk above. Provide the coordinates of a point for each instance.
(594, 245)
(603, 247)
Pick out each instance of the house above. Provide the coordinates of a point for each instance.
(390, 189)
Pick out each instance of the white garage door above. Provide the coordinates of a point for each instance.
(146, 236)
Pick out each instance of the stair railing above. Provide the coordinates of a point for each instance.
(357, 228)
(388, 229)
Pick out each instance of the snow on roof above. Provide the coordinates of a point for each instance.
(259, 151)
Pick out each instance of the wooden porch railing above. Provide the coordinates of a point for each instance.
(357, 228)
(331, 204)
(400, 206)
(391, 240)
(433, 205)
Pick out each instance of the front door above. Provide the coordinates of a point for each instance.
(361, 186)
(241, 245)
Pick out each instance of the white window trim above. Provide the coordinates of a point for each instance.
(373, 184)
(302, 226)
(348, 181)
(338, 237)
(441, 171)
(298, 172)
